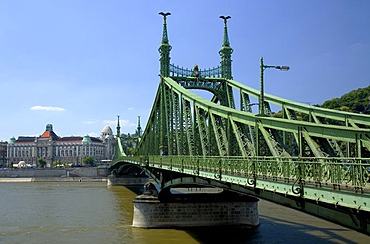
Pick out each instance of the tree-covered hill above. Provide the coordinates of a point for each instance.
(357, 101)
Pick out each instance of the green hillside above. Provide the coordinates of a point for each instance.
(357, 101)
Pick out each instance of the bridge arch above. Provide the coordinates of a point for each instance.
(122, 168)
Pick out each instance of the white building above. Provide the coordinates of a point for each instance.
(63, 150)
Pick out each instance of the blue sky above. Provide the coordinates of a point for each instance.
(77, 64)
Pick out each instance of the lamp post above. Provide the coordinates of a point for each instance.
(262, 98)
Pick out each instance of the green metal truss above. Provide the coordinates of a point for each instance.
(282, 155)
(191, 125)
(310, 153)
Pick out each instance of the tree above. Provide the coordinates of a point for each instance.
(356, 101)
(42, 162)
(89, 161)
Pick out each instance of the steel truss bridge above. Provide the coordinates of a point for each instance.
(310, 158)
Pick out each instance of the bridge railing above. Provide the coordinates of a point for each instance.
(351, 174)
(176, 71)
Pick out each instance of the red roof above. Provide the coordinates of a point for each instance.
(49, 134)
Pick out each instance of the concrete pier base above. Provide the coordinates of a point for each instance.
(126, 181)
(194, 211)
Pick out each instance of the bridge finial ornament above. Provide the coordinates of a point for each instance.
(226, 52)
(165, 48)
(226, 37)
(165, 36)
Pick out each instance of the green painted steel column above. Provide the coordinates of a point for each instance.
(163, 147)
(257, 143)
(261, 100)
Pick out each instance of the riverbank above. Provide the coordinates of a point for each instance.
(63, 174)
(52, 179)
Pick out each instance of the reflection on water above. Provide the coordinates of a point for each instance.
(80, 212)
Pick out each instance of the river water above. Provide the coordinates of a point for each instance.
(91, 212)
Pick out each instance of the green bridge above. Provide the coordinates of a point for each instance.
(310, 158)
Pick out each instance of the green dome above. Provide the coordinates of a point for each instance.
(49, 127)
(12, 140)
(86, 139)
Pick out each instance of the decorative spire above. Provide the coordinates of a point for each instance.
(164, 35)
(225, 42)
(226, 52)
(165, 48)
(138, 127)
(118, 127)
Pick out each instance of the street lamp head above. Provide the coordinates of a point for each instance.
(284, 68)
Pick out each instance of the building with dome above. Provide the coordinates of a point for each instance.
(61, 150)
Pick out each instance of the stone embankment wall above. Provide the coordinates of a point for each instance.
(42, 173)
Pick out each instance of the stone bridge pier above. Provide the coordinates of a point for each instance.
(193, 207)
(126, 181)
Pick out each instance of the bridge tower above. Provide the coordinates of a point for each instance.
(164, 51)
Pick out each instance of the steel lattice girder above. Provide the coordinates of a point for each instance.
(340, 133)
(345, 117)
(318, 130)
